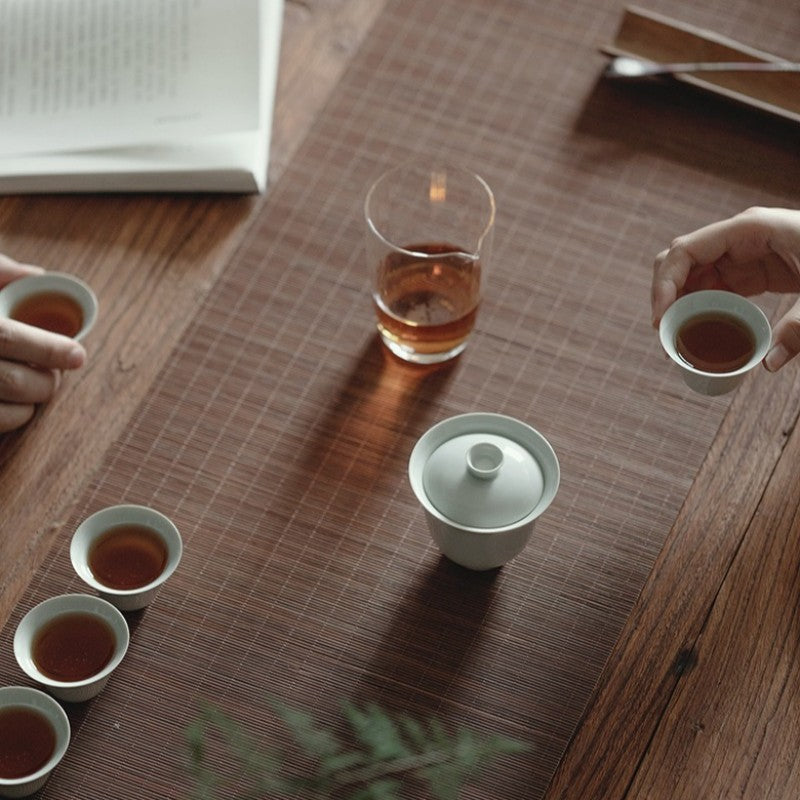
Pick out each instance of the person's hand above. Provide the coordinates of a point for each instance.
(31, 359)
(753, 252)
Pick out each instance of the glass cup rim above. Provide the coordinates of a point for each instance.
(446, 166)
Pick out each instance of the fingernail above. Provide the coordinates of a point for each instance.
(77, 355)
(776, 358)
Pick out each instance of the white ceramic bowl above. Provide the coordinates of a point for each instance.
(12, 293)
(24, 696)
(482, 546)
(101, 521)
(691, 305)
(40, 615)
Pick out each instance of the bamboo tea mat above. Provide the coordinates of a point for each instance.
(277, 438)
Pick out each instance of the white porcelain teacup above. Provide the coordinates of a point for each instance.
(39, 624)
(55, 725)
(115, 519)
(698, 304)
(76, 304)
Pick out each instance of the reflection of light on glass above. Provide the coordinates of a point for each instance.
(438, 190)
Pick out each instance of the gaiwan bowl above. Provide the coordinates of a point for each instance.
(39, 734)
(483, 480)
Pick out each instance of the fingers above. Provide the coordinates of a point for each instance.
(30, 364)
(14, 415)
(785, 340)
(29, 345)
(749, 253)
(31, 359)
(22, 383)
(670, 271)
(11, 269)
(21, 388)
(698, 252)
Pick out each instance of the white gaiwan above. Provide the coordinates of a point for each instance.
(483, 479)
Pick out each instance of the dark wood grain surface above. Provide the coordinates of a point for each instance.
(235, 383)
(695, 700)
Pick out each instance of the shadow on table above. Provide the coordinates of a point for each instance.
(697, 129)
(379, 408)
(441, 613)
(356, 457)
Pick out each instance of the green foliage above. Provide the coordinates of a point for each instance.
(383, 750)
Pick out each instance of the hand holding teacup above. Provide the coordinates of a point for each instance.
(32, 356)
(755, 251)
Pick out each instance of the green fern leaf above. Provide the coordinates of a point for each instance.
(444, 780)
(315, 739)
(341, 761)
(383, 789)
(376, 731)
(414, 732)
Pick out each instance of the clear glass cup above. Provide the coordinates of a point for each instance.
(429, 236)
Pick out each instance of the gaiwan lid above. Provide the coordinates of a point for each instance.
(483, 480)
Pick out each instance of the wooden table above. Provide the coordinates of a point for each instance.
(694, 619)
(697, 697)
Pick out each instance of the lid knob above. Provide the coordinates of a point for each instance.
(484, 460)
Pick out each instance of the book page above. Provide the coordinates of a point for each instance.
(89, 74)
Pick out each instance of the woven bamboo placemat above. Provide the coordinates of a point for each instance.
(277, 438)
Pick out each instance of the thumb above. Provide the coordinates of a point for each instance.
(785, 339)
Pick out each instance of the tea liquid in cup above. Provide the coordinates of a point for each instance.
(53, 311)
(27, 741)
(52, 301)
(71, 644)
(34, 735)
(429, 231)
(126, 552)
(715, 337)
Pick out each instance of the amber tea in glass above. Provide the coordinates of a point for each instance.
(427, 298)
(429, 229)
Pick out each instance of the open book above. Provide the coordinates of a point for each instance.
(137, 95)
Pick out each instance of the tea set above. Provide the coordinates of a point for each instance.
(482, 479)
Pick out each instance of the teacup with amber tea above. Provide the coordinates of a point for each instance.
(34, 735)
(715, 337)
(53, 301)
(70, 644)
(126, 553)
